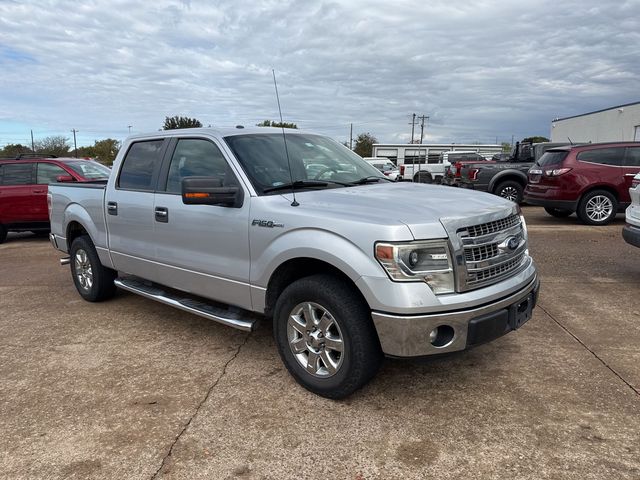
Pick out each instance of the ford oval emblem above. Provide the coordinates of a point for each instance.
(512, 243)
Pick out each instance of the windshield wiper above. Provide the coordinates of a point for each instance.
(295, 185)
(369, 179)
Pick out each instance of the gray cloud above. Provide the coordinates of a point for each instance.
(481, 71)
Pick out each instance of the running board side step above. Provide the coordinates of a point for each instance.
(232, 316)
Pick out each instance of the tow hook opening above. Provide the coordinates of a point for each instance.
(442, 336)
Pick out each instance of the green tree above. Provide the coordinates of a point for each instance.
(535, 140)
(506, 147)
(364, 144)
(14, 149)
(54, 145)
(273, 123)
(176, 122)
(106, 150)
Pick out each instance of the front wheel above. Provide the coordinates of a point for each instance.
(598, 207)
(511, 190)
(558, 212)
(93, 281)
(325, 336)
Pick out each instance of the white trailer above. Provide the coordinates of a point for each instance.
(414, 160)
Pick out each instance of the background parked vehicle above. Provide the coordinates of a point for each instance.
(23, 188)
(592, 180)
(631, 232)
(506, 178)
(388, 168)
(435, 172)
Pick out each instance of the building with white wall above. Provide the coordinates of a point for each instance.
(615, 124)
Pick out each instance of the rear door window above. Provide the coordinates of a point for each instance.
(140, 166)
(16, 173)
(48, 173)
(603, 156)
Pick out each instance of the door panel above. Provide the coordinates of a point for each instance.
(17, 203)
(203, 249)
(129, 210)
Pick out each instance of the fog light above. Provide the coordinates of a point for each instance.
(442, 336)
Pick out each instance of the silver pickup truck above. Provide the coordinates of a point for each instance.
(240, 224)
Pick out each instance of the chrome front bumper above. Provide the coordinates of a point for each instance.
(408, 336)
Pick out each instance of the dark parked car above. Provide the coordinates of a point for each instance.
(23, 188)
(592, 180)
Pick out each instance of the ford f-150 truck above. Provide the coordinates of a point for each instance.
(232, 225)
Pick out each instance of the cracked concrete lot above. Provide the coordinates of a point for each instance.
(130, 388)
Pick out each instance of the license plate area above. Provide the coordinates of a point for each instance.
(521, 312)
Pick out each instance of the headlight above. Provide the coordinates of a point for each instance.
(427, 261)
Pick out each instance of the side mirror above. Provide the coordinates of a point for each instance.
(209, 191)
(65, 179)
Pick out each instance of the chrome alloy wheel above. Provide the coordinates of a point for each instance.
(599, 208)
(315, 339)
(83, 271)
(510, 193)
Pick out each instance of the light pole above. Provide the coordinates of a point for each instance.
(129, 127)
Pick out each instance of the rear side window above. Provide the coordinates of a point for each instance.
(633, 157)
(603, 156)
(48, 173)
(140, 165)
(16, 174)
(552, 158)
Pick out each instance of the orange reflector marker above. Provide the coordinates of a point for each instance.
(384, 252)
(196, 195)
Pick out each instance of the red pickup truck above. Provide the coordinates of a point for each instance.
(23, 188)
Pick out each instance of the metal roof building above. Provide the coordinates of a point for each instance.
(614, 124)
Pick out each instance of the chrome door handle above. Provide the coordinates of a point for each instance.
(112, 208)
(162, 214)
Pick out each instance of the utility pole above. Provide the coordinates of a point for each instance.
(75, 145)
(351, 138)
(33, 145)
(413, 124)
(129, 127)
(422, 118)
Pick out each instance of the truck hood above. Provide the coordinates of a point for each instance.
(425, 209)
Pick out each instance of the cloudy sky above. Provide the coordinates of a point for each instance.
(481, 70)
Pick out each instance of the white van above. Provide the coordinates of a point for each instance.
(385, 166)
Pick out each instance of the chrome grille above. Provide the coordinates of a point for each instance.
(489, 252)
(492, 227)
(482, 252)
(495, 272)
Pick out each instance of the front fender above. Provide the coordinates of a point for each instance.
(318, 244)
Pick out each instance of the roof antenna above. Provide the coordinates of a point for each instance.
(284, 138)
(570, 141)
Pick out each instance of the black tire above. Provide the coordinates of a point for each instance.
(423, 177)
(3, 233)
(511, 190)
(588, 212)
(84, 260)
(558, 212)
(350, 320)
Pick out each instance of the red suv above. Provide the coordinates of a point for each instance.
(592, 180)
(23, 188)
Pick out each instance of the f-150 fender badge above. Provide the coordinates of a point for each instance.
(266, 223)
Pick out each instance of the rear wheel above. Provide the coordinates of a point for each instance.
(598, 207)
(558, 212)
(511, 190)
(3, 233)
(93, 281)
(423, 177)
(325, 336)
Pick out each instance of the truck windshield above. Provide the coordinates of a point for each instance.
(89, 169)
(552, 157)
(312, 157)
